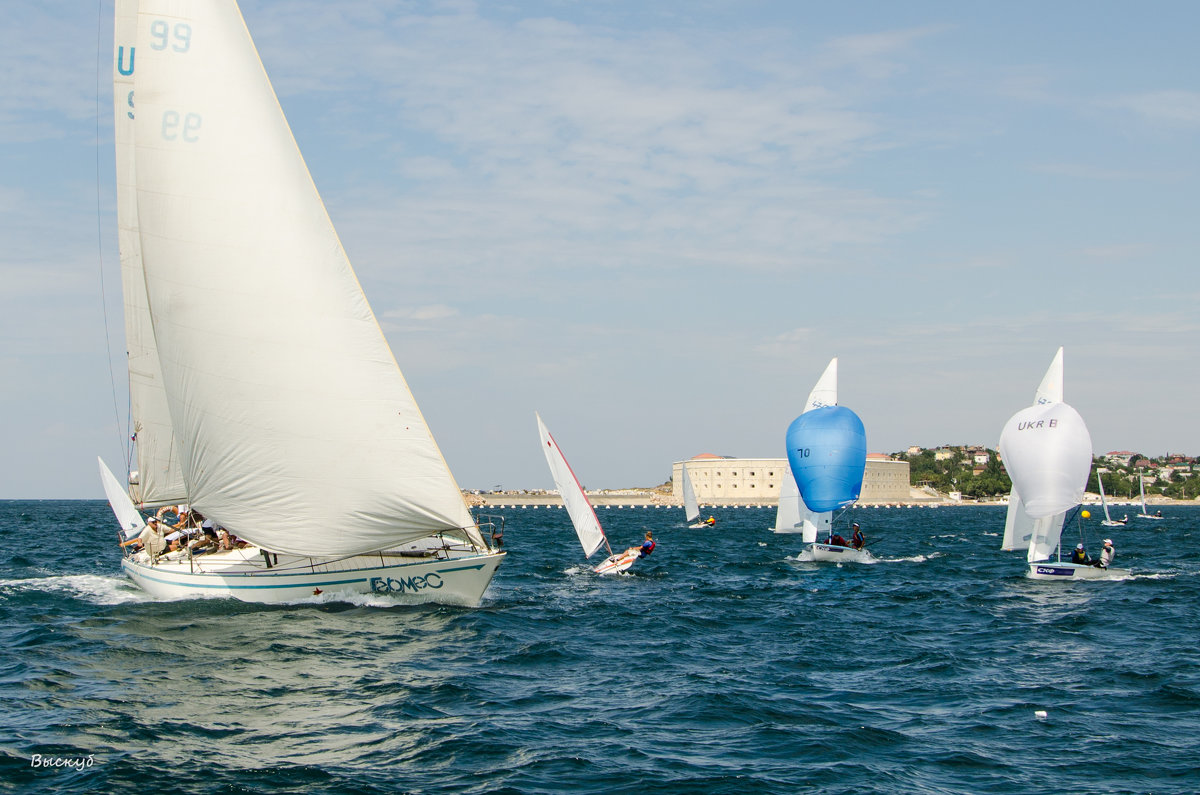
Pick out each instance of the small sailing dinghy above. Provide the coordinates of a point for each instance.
(1145, 514)
(1047, 452)
(691, 508)
(1108, 521)
(579, 508)
(827, 456)
(262, 390)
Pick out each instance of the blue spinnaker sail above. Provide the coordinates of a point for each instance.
(827, 450)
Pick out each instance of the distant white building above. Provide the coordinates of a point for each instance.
(720, 480)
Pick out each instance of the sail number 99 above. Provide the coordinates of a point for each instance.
(184, 127)
(178, 36)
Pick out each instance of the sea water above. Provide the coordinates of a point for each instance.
(721, 664)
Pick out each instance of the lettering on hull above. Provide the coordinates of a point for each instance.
(406, 584)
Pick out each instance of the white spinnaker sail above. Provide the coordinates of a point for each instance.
(792, 514)
(124, 509)
(583, 516)
(1048, 454)
(1019, 527)
(691, 508)
(160, 475)
(296, 428)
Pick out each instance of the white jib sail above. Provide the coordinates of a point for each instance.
(1018, 526)
(792, 516)
(124, 509)
(691, 508)
(296, 427)
(160, 472)
(583, 516)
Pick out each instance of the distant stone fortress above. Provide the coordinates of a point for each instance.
(718, 480)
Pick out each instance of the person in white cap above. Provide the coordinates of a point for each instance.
(1106, 555)
(151, 538)
(1080, 555)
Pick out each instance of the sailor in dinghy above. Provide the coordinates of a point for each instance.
(583, 515)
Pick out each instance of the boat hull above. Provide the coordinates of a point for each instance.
(1050, 570)
(618, 563)
(839, 554)
(458, 580)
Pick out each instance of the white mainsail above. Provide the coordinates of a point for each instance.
(1048, 454)
(583, 516)
(160, 475)
(295, 426)
(691, 508)
(1019, 526)
(792, 514)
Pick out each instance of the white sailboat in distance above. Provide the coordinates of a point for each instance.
(691, 507)
(579, 508)
(1047, 451)
(1108, 521)
(1145, 514)
(263, 392)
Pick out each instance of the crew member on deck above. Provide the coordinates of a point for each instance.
(151, 538)
(1106, 555)
(837, 540)
(1080, 555)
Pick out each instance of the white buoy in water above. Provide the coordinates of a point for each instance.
(1040, 714)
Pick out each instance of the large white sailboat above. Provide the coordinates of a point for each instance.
(1047, 451)
(263, 392)
(579, 508)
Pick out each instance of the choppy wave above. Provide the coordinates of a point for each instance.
(724, 663)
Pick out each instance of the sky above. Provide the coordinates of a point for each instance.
(655, 223)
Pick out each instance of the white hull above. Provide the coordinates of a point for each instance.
(618, 563)
(1112, 523)
(1050, 570)
(457, 577)
(698, 526)
(833, 552)
(1148, 516)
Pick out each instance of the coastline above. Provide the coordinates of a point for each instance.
(649, 498)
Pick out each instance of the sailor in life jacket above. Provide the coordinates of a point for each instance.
(1106, 555)
(1080, 555)
(857, 539)
(647, 546)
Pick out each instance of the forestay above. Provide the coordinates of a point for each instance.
(296, 428)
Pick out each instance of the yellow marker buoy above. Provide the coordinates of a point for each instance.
(1086, 514)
